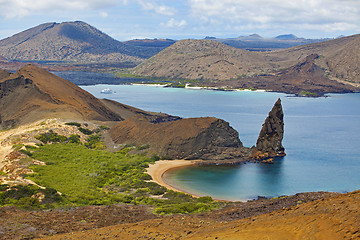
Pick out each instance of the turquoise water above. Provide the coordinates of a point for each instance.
(321, 139)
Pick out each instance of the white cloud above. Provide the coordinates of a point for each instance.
(160, 9)
(334, 14)
(103, 14)
(22, 8)
(174, 23)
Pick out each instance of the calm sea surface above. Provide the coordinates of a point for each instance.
(322, 139)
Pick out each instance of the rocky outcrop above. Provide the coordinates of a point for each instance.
(269, 142)
(193, 138)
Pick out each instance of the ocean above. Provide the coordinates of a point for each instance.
(321, 140)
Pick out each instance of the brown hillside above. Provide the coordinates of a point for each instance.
(202, 59)
(192, 138)
(69, 42)
(331, 218)
(32, 94)
(340, 57)
(126, 111)
(304, 78)
(210, 60)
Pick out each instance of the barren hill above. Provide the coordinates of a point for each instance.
(339, 57)
(210, 60)
(33, 94)
(304, 78)
(202, 59)
(69, 41)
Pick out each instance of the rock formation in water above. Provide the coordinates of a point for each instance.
(269, 142)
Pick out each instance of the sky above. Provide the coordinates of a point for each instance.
(177, 19)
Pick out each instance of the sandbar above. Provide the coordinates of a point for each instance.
(159, 168)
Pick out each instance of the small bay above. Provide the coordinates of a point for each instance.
(321, 139)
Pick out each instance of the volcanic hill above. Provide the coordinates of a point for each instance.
(202, 59)
(32, 94)
(75, 42)
(338, 57)
(214, 62)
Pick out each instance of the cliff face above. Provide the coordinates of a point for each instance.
(192, 138)
(269, 143)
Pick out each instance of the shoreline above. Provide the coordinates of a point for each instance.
(159, 168)
(203, 88)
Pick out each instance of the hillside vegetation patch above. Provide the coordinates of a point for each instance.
(85, 174)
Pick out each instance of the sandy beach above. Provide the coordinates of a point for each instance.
(157, 170)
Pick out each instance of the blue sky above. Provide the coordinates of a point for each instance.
(176, 19)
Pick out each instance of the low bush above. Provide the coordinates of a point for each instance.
(73, 124)
(51, 136)
(29, 196)
(85, 131)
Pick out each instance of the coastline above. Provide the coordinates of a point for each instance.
(159, 168)
(202, 88)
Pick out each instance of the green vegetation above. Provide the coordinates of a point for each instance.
(308, 94)
(85, 174)
(73, 124)
(95, 177)
(177, 85)
(85, 131)
(94, 142)
(51, 137)
(28, 197)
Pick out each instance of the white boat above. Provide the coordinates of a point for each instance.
(106, 91)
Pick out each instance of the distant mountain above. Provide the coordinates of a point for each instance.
(71, 42)
(202, 59)
(159, 44)
(287, 37)
(255, 42)
(252, 37)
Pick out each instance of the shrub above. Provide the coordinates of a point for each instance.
(155, 157)
(93, 142)
(146, 146)
(51, 136)
(27, 152)
(73, 124)
(85, 131)
(74, 138)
